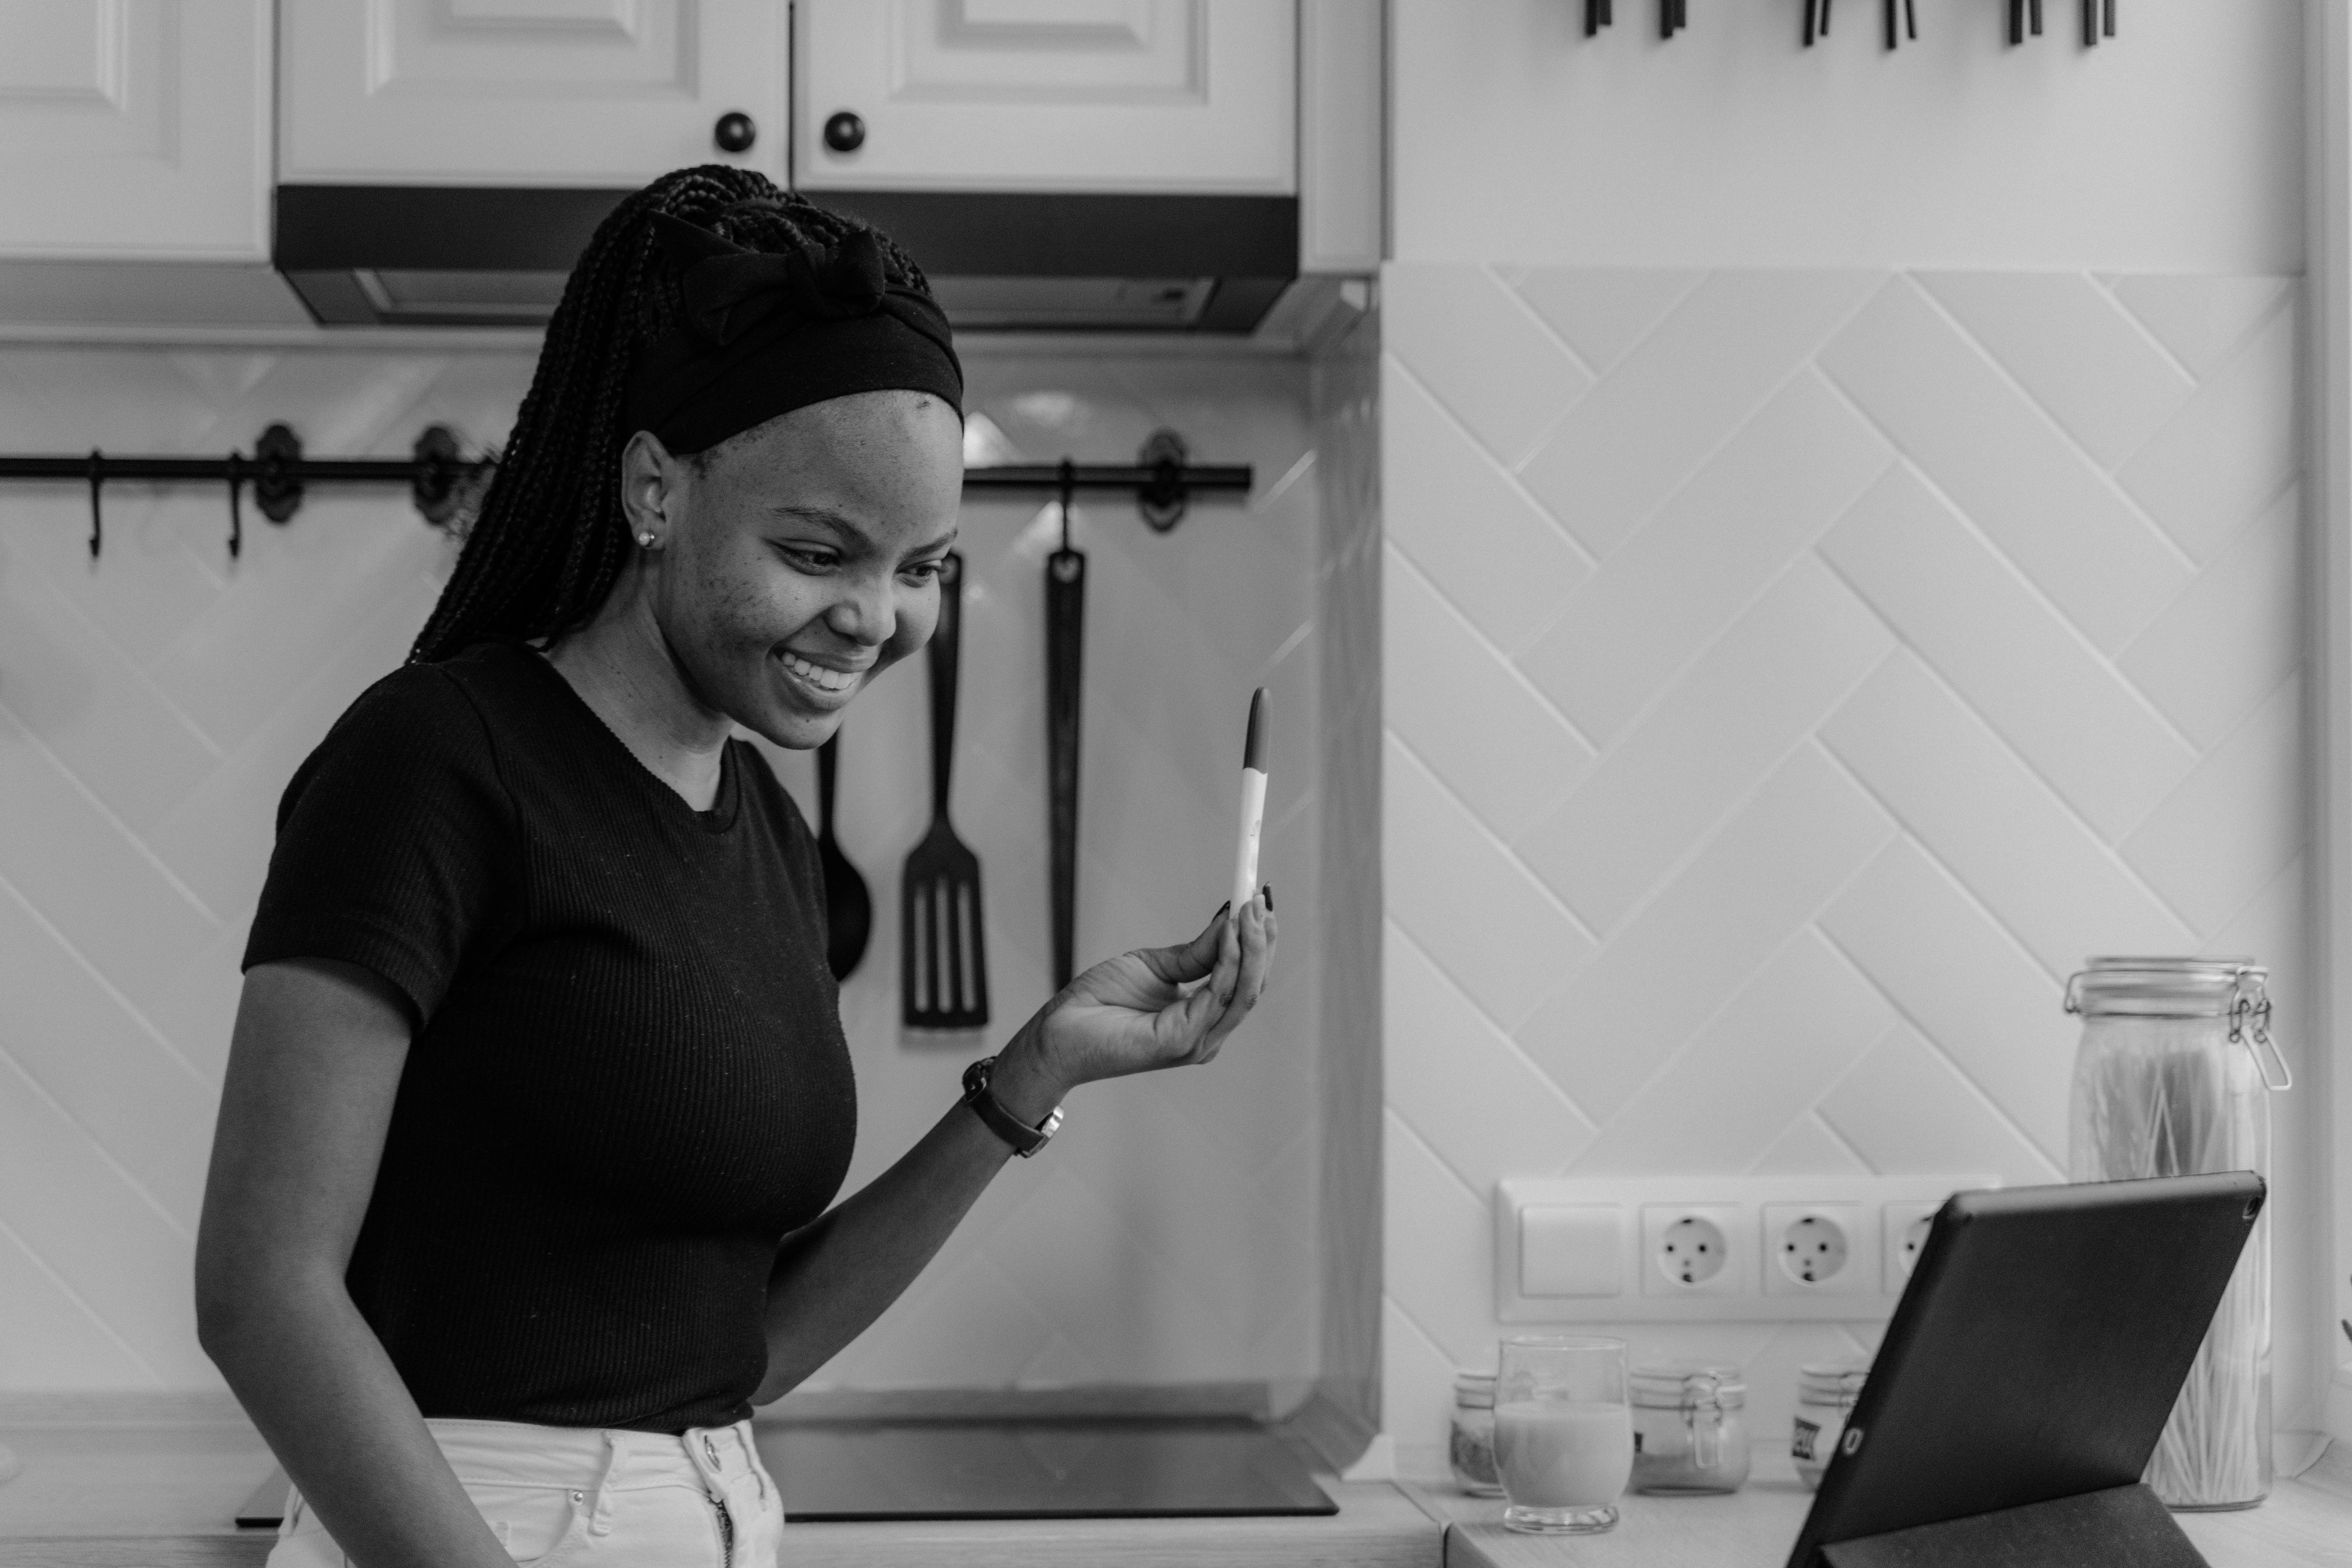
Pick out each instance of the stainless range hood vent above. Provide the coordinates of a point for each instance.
(423, 298)
(481, 257)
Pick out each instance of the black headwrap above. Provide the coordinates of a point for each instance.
(767, 332)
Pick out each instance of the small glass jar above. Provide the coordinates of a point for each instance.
(1689, 1435)
(1472, 1448)
(1826, 1391)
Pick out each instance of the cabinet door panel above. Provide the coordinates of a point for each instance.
(526, 91)
(1103, 95)
(135, 128)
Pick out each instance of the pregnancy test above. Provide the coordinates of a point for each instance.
(1252, 802)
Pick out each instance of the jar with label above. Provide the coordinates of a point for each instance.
(1826, 1391)
(2173, 1078)
(1690, 1434)
(1472, 1449)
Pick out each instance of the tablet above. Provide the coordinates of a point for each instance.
(2036, 1352)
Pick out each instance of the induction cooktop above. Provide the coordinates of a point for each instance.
(1038, 1469)
(1060, 1469)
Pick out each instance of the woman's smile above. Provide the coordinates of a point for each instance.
(827, 685)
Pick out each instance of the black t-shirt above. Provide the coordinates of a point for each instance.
(628, 1080)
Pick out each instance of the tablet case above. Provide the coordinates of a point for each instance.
(2025, 1378)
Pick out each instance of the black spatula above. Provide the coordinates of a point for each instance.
(943, 974)
(848, 907)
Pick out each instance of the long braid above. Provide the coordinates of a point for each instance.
(551, 539)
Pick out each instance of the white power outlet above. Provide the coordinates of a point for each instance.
(1597, 1249)
(1904, 1227)
(1819, 1249)
(1695, 1249)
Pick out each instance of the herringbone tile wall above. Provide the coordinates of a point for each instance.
(153, 705)
(1789, 678)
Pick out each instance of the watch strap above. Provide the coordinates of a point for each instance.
(1024, 1139)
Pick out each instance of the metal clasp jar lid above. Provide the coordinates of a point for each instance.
(1474, 1390)
(1687, 1385)
(2142, 987)
(1831, 1382)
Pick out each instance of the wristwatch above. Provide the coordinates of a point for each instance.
(1025, 1140)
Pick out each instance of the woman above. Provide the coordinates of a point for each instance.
(538, 1101)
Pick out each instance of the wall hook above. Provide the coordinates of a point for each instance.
(1068, 472)
(96, 516)
(235, 506)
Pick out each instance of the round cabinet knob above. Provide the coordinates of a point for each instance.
(845, 133)
(734, 132)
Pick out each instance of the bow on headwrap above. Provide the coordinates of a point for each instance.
(767, 332)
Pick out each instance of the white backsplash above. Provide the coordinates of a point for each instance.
(153, 704)
(1789, 677)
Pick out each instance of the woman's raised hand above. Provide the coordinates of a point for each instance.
(1154, 1008)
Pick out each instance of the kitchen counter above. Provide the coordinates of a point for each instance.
(2307, 1523)
(158, 1490)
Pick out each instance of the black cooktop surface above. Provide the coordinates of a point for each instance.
(1037, 1469)
(1010, 1469)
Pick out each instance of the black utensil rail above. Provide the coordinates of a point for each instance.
(445, 485)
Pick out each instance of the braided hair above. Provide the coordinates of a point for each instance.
(550, 538)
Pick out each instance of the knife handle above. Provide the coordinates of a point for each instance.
(1065, 620)
(826, 756)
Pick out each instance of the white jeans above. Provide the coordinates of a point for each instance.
(597, 1498)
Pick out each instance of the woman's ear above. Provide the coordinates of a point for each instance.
(650, 482)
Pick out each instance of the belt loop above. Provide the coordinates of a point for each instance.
(752, 1458)
(600, 1513)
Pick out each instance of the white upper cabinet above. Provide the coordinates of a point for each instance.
(527, 93)
(1047, 95)
(135, 129)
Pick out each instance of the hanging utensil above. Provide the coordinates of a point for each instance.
(943, 974)
(848, 907)
(1065, 618)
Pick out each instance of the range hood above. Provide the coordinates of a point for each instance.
(496, 257)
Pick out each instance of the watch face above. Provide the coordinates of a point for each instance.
(975, 1076)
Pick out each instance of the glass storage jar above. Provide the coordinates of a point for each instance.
(2173, 1078)
(1690, 1434)
(1472, 1449)
(1826, 1391)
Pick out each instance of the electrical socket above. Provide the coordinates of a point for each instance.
(1561, 1257)
(1905, 1226)
(1819, 1249)
(1696, 1250)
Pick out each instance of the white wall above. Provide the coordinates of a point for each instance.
(2175, 146)
(153, 705)
(1841, 569)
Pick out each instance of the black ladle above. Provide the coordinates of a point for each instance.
(848, 907)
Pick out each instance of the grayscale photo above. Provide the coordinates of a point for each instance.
(1176, 783)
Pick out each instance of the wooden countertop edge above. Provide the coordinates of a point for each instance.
(1377, 1527)
(2307, 1523)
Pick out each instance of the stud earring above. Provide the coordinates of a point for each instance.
(646, 541)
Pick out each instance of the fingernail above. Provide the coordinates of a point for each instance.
(1224, 908)
(1268, 891)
